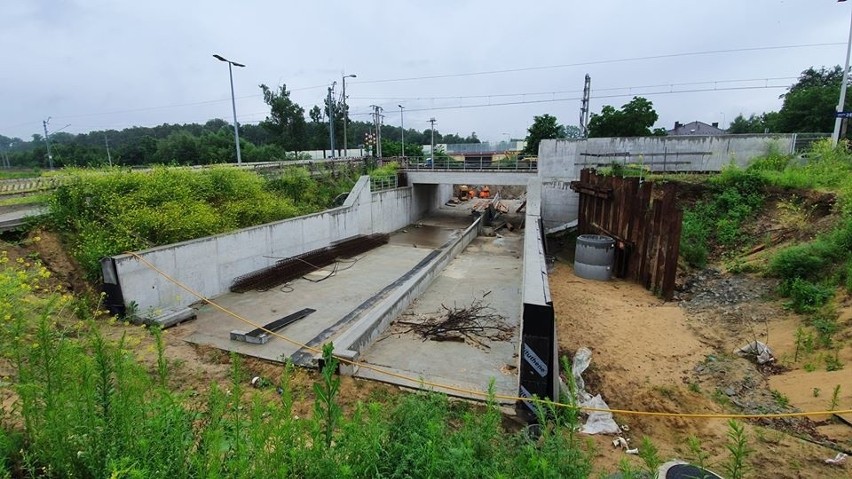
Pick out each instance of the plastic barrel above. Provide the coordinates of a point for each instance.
(594, 256)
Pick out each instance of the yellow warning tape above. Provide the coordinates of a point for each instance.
(474, 392)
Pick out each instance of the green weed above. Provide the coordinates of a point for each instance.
(835, 398)
(805, 296)
(738, 449)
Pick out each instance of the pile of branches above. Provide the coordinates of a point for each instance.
(473, 324)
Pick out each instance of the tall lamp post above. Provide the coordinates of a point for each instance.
(345, 115)
(402, 129)
(233, 102)
(841, 104)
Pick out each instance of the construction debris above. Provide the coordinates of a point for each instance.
(261, 335)
(472, 324)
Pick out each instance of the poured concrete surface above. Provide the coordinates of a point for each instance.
(332, 298)
(489, 265)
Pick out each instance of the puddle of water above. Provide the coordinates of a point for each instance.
(424, 236)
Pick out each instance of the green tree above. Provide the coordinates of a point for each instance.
(394, 148)
(544, 127)
(286, 120)
(573, 132)
(633, 119)
(766, 122)
(809, 105)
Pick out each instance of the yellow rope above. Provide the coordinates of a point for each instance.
(473, 392)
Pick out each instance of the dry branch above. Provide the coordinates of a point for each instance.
(474, 324)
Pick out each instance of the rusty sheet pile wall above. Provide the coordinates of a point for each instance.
(642, 217)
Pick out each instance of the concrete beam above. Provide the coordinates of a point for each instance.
(511, 177)
(365, 330)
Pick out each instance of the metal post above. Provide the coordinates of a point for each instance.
(233, 103)
(47, 142)
(234, 109)
(841, 104)
(331, 118)
(402, 129)
(106, 142)
(432, 151)
(345, 116)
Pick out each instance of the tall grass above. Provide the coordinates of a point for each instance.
(736, 196)
(106, 213)
(86, 407)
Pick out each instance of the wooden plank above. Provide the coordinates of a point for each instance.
(647, 218)
(672, 248)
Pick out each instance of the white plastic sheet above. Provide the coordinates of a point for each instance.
(757, 350)
(598, 422)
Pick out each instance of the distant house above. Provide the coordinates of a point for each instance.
(696, 128)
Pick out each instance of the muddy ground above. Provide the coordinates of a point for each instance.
(678, 356)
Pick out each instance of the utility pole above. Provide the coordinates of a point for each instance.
(331, 117)
(377, 122)
(47, 143)
(432, 150)
(584, 110)
(106, 142)
(402, 129)
(345, 116)
(835, 137)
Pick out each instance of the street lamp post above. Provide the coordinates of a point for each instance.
(402, 129)
(233, 102)
(841, 104)
(345, 115)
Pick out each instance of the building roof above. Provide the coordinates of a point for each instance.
(695, 128)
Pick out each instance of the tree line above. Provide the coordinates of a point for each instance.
(283, 135)
(809, 106)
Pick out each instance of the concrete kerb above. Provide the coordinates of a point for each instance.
(363, 333)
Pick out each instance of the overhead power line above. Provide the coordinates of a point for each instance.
(596, 97)
(602, 62)
(558, 92)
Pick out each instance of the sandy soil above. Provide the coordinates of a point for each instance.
(646, 354)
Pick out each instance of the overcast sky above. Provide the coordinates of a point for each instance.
(101, 64)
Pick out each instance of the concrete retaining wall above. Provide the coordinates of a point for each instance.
(365, 330)
(557, 158)
(560, 161)
(209, 265)
(538, 369)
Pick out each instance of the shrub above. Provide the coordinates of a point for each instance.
(805, 296)
(693, 238)
(806, 261)
(107, 213)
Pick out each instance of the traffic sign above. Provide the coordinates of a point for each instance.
(843, 114)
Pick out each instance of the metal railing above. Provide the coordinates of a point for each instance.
(379, 183)
(528, 164)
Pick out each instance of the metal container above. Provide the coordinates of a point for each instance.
(594, 256)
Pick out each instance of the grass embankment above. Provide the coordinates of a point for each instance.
(811, 273)
(107, 213)
(17, 173)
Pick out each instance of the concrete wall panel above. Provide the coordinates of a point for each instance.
(560, 161)
(209, 265)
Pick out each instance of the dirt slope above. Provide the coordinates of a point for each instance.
(656, 356)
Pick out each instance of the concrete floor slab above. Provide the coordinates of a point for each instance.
(332, 298)
(489, 267)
